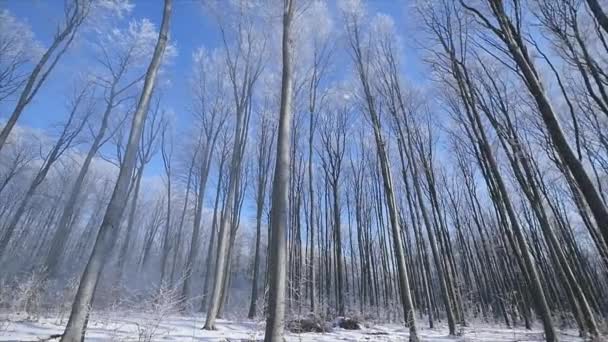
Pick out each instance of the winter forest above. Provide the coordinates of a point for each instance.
(303, 170)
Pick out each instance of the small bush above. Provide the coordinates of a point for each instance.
(348, 323)
(164, 303)
(26, 294)
(311, 323)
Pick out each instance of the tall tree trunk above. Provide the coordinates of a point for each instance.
(265, 144)
(64, 141)
(437, 257)
(63, 227)
(256, 263)
(165, 241)
(178, 242)
(311, 220)
(225, 222)
(338, 247)
(280, 192)
(370, 103)
(196, 229)
(519, 52)
(598, 13)
(209, 257)
(123, 254)
(76, 327)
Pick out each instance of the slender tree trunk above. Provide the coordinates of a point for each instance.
(437, 256)
(224, 229)
(178, 242)
(63, 227)
(76, 327)
(256, 264)
(123, 254)
(311, 225)
(195, 242)
(518, 50)
(166, 249)
(209, 258)
(598, 13)
(280, 192)
(338, 247)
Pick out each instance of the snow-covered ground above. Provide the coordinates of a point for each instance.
(134, 327)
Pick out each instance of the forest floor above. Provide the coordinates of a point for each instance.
(148, 327)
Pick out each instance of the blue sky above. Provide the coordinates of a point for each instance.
(190, 29)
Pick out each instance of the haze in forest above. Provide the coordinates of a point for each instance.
(304, 170)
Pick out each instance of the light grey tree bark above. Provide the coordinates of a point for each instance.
(214, 223)
(275, 320)
(225, 228)
(76, 327)
(235, 218)
(224, 231)
(211, 135)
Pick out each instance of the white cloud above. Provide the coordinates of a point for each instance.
(352, 8)
(104, 13)
(16, 38)
(119, 8)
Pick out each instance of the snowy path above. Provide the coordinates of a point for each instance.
(177, 328)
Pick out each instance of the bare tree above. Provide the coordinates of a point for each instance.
(148, 147)
(362, 57)
(117, 80)
(244, 62)
(210, 110)
(76, 327)
(333, 133)
(167, 154)
(20, 157)
(485, 220)
(17, 50)
(81, 108)
(217, 216)
(265, 142)
(508, 30)
(278, 222)
(320, 61)
(76, 11)
(443, 26)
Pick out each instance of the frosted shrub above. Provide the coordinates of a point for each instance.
(164, 303)
(27, 294)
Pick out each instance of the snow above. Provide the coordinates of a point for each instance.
(140, 327)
